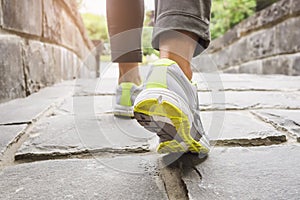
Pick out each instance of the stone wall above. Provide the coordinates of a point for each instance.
(42, 42)
(266, 43)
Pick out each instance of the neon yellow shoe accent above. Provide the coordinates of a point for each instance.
(164, 62)
(180, 121)
(125, 99)
(171, 146)
(158, 78)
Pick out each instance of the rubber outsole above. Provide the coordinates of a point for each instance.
(174, 136)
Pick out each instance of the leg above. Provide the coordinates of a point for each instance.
(168, 46)
(182, 30)
(125, 20)
(169, 103)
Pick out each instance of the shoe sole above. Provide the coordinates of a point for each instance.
(161, 116)
(123, 111)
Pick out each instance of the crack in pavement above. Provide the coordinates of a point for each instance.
(83, 154)
(16, 123)
(8, 156)
(277, 124)
(173, 167)
(266, 141)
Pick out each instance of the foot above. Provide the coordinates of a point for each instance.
(125, 95)
(168, 106)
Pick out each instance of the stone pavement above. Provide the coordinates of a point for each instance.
(64, 143)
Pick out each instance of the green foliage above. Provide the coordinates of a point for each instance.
(96, 26)
(228, 13)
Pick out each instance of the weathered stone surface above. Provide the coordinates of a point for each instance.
(252, 67)
(269, 36)
(239, 129)
(8, 134)
(260, 44)
(296, 65)
(99, 104)
(84, 132)
(11, 69)
(246, 82)
(249, 100)
(28, 109)
(67, 67)
(1, 15)
(296, 7)
(288, 36)
(253, 173)
(96, 87)
(238, 52)
(277, 65)
(270, 15)
(287, 120)
(127, 177)
(51, 25)
(71, 36)
(276, 12)
(39, 61)
(54, 61)
(261, 4)
(38, 67)
(16, 17)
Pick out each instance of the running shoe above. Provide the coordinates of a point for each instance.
(125, 95)
(168, 106)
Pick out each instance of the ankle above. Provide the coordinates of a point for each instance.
(182, 63)
(129, 72)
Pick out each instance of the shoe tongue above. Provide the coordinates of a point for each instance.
(164, 62)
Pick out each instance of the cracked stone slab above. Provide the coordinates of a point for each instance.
(287, 120)
(247, 173)
(239, 129)
(247, 82)
(9, 135)
(91, 87)
(60, 135)
(230, 100)
(98, 104)
(126, 177)
(27, 109)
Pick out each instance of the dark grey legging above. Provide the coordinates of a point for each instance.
(125, 21)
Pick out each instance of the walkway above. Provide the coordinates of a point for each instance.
(67, 145)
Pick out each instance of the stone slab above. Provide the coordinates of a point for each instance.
(11, 68)
(90, 87)
(52, 26)
(67, 65)
(287, 120)
(71, 36)
(246, 82)
(39, 66)
(99, 104)
(1, 16)
(253, 173)
(129, 177)
(239, 129)
(28, 109)
(231, 100)
(288, 31)
(16, 17)
(8, 135)
(229, 82)
(84, 132)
